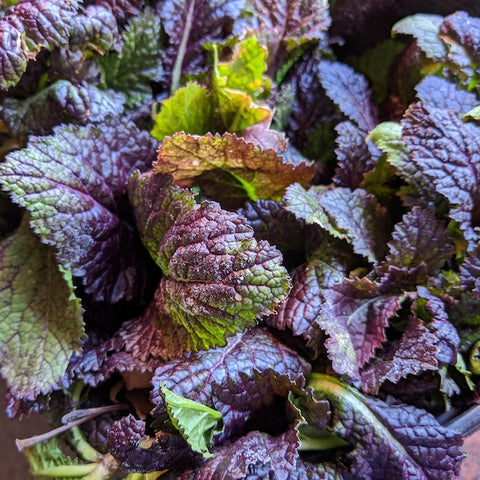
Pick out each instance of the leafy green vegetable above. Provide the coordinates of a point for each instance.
(42, 320)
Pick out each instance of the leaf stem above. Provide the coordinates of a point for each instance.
(182, 48)
(69, 471)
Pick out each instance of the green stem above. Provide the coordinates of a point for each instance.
(103, 470)
(82, 447)
(182, 48)
(69, 471)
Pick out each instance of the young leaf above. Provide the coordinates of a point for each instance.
(42, 319)
(218, 278)
(234, 167)
(28, 27)
(72, 183)
(445, 150)
(188, 110)
(350, 92)
(424, 28)
(355, 317)
(398, 440)
(139, 61)
(414, 353)
(237, 380)
(420, 238)
(354, 216)
(354, 155)
(195, 421)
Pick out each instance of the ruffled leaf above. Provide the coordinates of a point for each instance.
(237, 380)
(139, 60)
(218, 278)
(445, 150)
(72, 183)
(350, 92)
(229, 165)
(398, 440)
(42, 320)
(354, 216)
(28, 27)
(60, 102)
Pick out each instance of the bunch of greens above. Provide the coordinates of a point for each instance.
(236, 242)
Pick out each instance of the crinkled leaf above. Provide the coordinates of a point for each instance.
(156, 203)
(139, 61)
(445, 150)
(60, 102)
(287, 24)
(236, 168)
(236, 380)
(388, 138)
(354, 216)
(195, 421)
(72, 183)
(41, 317)
(218, 278)
(424, 27)
(415, 352)
(465, 30)
(128, 442)
(354, 157)
(28, 27)
(302, 307)
(420, 238)
(439, 92)
(400, 441)
(350, 92)
(195, 23)
(255, 455)
(122, 9)
(355, 317)
(188, 110)
(470, 273)
(271, 222)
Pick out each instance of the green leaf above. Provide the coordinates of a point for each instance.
(227, 167)
(189, 110)
(48, 462)
(41, 317)
(237, 83)
(195, 421)
(139, 61)
(424, 28)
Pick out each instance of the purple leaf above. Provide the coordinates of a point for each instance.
(415, 352)
(237, 380)
(354, 216)
(72, 183)
(28, 27)
(465, 30)
(470, 273)
(397, 441)
(218, 278)
(301, 309)
(354, 155)
(420, 238)
(446, 151)
(256, 453)
(350, 92)
(355, 317)
(137, 452)
(122, 9)
(438, 92)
